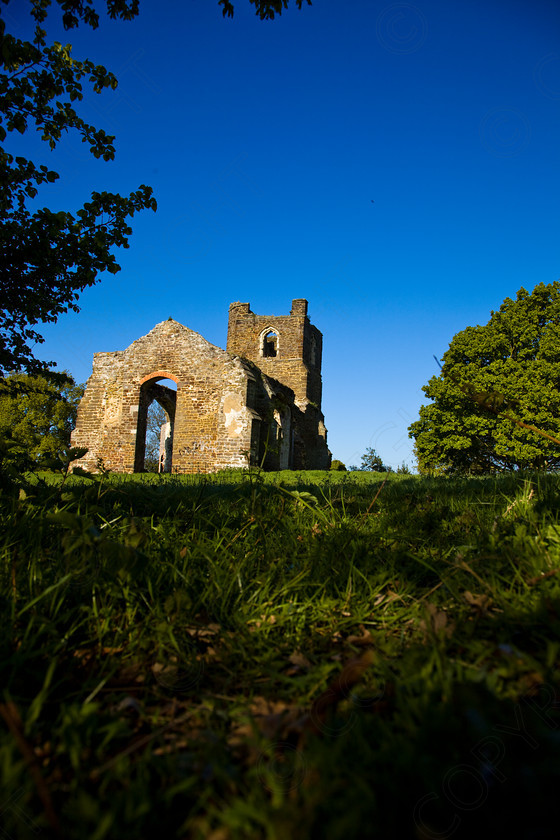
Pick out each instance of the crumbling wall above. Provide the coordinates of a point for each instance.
(296, 363)
(212, 426)
(257, 403)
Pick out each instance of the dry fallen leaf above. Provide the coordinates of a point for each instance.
(480, 603)
(202, 632)
(364, 640)
(338, 689)
(289, 724)
(273, 719)
(437, 622)
(299, 663)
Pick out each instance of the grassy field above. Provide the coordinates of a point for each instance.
(314, 655)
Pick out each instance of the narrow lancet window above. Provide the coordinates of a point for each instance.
(270, 345)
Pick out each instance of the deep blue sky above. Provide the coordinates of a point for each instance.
(266, 142)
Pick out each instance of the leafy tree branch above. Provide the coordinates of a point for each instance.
(265, 9)
(49, 257)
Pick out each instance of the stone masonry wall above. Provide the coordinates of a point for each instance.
(232, 409)
(297, 364)
(298, 360)
(212, 426)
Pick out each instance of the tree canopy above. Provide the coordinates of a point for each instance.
(496, 381)
(37, 415)
(265, 9)
(48, 257)
(372, 461)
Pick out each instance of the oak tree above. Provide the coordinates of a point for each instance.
(496, 403)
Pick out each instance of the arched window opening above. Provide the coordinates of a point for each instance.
(270, 345)
(156, 420)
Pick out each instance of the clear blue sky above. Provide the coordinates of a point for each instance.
(266, 142)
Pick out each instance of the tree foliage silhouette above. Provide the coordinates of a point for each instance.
(372, 461)
(37, 415)
(496, 403)
(48, 257)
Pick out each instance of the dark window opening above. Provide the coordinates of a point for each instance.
(270, 345)
(251, 393)
(255, 454)
(313, 353)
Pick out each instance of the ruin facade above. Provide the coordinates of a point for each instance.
(257, 403)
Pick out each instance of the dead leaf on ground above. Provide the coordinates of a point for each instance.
(363, 640)
(204, 632)
(338, 689)
(386, 598)
(258, 622)
(437, 622)
(273, 719)
(480, 603)
(93, 652)
(288, 723)
(298, 663)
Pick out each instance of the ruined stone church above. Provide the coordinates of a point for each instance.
(258, 403)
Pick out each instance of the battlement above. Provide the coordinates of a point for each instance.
(299, 307)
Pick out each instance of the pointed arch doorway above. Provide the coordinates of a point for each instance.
(156, 390)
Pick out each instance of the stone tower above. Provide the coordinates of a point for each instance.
(288, 349)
